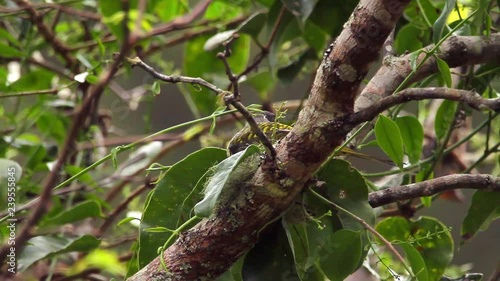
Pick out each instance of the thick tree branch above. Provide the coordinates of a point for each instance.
(434, 186)
(210, 248)
(456, 51)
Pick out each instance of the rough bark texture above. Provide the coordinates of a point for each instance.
(456, 51)
(212, 246)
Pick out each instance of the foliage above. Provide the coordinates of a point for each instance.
(56, 54)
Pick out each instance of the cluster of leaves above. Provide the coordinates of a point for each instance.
(315, 239)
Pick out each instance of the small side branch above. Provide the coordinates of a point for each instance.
(471, 98)
(427, 188)
(229, 98)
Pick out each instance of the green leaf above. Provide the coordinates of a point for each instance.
(4, 34)
(484, 208)
(175, 195)
(343, 254)
(167, 10)
(394, 229)
(92, 79)
(126, 220)
(224, 176)
(407, 39)
(389, 139)
(156, 88)
(43, 247)
(288, 73)
(428, 236)
(263, 83)
(416, 261)
(421, 13)
(7, 51)
(315, 37)
(440, 23)
(86, 209)
(32, 81)
(347, 188)
(223, 10)
(426, 201)
(444, 118)
(113, 15)
(412, 134)
(52, 125)
(297, 239)
(444, 69)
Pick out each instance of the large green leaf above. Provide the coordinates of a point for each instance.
(444, 69)
(429, 237)
(86, 209)
(226, 173)
(389, 139)
(347, 188)
(344, 253)
(297, 238)
(416, 261)
(32, 81)
(412, 134)
(484, 208)
(170, 203)
(42, 247)
(407, 39)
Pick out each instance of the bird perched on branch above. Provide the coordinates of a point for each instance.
(275, 131)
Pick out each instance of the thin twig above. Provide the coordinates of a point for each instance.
(228, 97)
(264, 51)
(118, 209)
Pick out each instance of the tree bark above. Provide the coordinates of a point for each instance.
(213, 245)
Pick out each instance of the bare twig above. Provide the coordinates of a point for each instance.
(118, 209)
(175, 78)
(427, 188)
(234, 100)
(264, 50)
